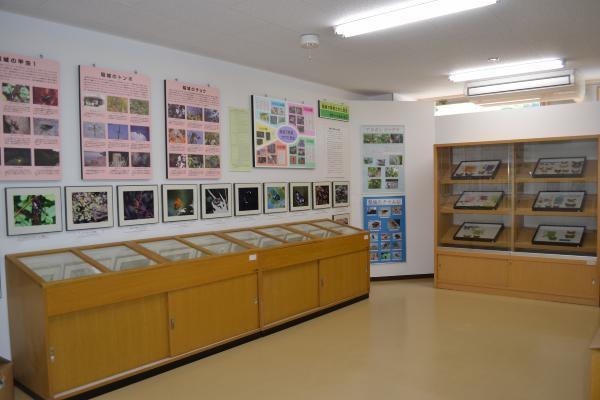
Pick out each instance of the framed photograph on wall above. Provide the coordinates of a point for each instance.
(479, 231)
(275, 195)
(248, 198)
(568, 167)
(343, 218)
(558, 235)
(321, 195)
(33, 210)
(179, 203)
(559, 200)
(480, 169)
(89, 207)
(300, 196)
(341, 194)
(479, 200)
(138, 204)
(216, 200)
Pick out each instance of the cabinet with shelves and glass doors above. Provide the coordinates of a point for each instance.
(519, 218)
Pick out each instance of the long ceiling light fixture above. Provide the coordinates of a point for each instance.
(547, 64)
(405, 13)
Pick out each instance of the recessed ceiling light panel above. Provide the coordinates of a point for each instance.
(406, 12)
(547, 64)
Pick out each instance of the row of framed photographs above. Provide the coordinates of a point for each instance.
(565, 167)
(545, 200)
(39, 209)
(554, 235)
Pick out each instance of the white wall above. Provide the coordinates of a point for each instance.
(73, 46)
(418, 119)
(560, 120)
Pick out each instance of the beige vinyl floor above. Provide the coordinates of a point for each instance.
(408, 341)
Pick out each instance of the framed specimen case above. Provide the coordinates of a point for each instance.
(559, 235)
(481, 169)
(567, 167)
(479, 200)
(479, 231)
(559, 200)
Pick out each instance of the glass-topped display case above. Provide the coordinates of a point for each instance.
(314, 230)
(119, 258)
(284, 234)
(341, 229)
(59, 266)
(254, 239)
(215, 244)
(173, 250)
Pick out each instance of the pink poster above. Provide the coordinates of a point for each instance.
(30, 137)
(193, 131)
(115, 124)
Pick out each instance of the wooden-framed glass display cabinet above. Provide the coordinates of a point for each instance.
(83, 317)
(519, 218)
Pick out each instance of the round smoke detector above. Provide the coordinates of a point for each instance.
(309, 41)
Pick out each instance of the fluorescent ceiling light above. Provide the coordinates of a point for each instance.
(405, 13)
(519, 86)
(546, 64)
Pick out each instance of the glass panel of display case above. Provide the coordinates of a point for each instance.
(314, 230)
(556, 196)
(475, 196)
(59, 266)
(284, 234)
(119, 258)
(255, 239)
(173, 250)
(343, 230)
(215, 244)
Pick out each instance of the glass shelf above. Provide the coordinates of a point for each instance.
(173, 250)
(59, 266)
(284, 234)
(119, 258)
(255, 239)
(314, 230)
(215, 244)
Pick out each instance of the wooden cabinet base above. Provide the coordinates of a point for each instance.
(562, 280)
(139, 374)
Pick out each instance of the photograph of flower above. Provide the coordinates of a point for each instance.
(33, 210)
(138, 204)
(275, 197)
(89, 207)
(179, 202)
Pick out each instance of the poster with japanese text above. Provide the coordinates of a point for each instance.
(385, 219)
(283, 133)
(193, 129)
(383, 158)
(29, 106)
(115, 124)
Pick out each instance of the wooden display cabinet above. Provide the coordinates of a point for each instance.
(81, 318)
(546, 184)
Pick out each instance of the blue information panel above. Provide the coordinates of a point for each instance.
(384, 218)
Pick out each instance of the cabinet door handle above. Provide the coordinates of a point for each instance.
(593, 282)
(256, 300)
(322, 282)
(52, 355)
(172, 323)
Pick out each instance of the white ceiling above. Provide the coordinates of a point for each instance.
(413, 60)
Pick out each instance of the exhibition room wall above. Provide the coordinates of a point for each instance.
(72, 47)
